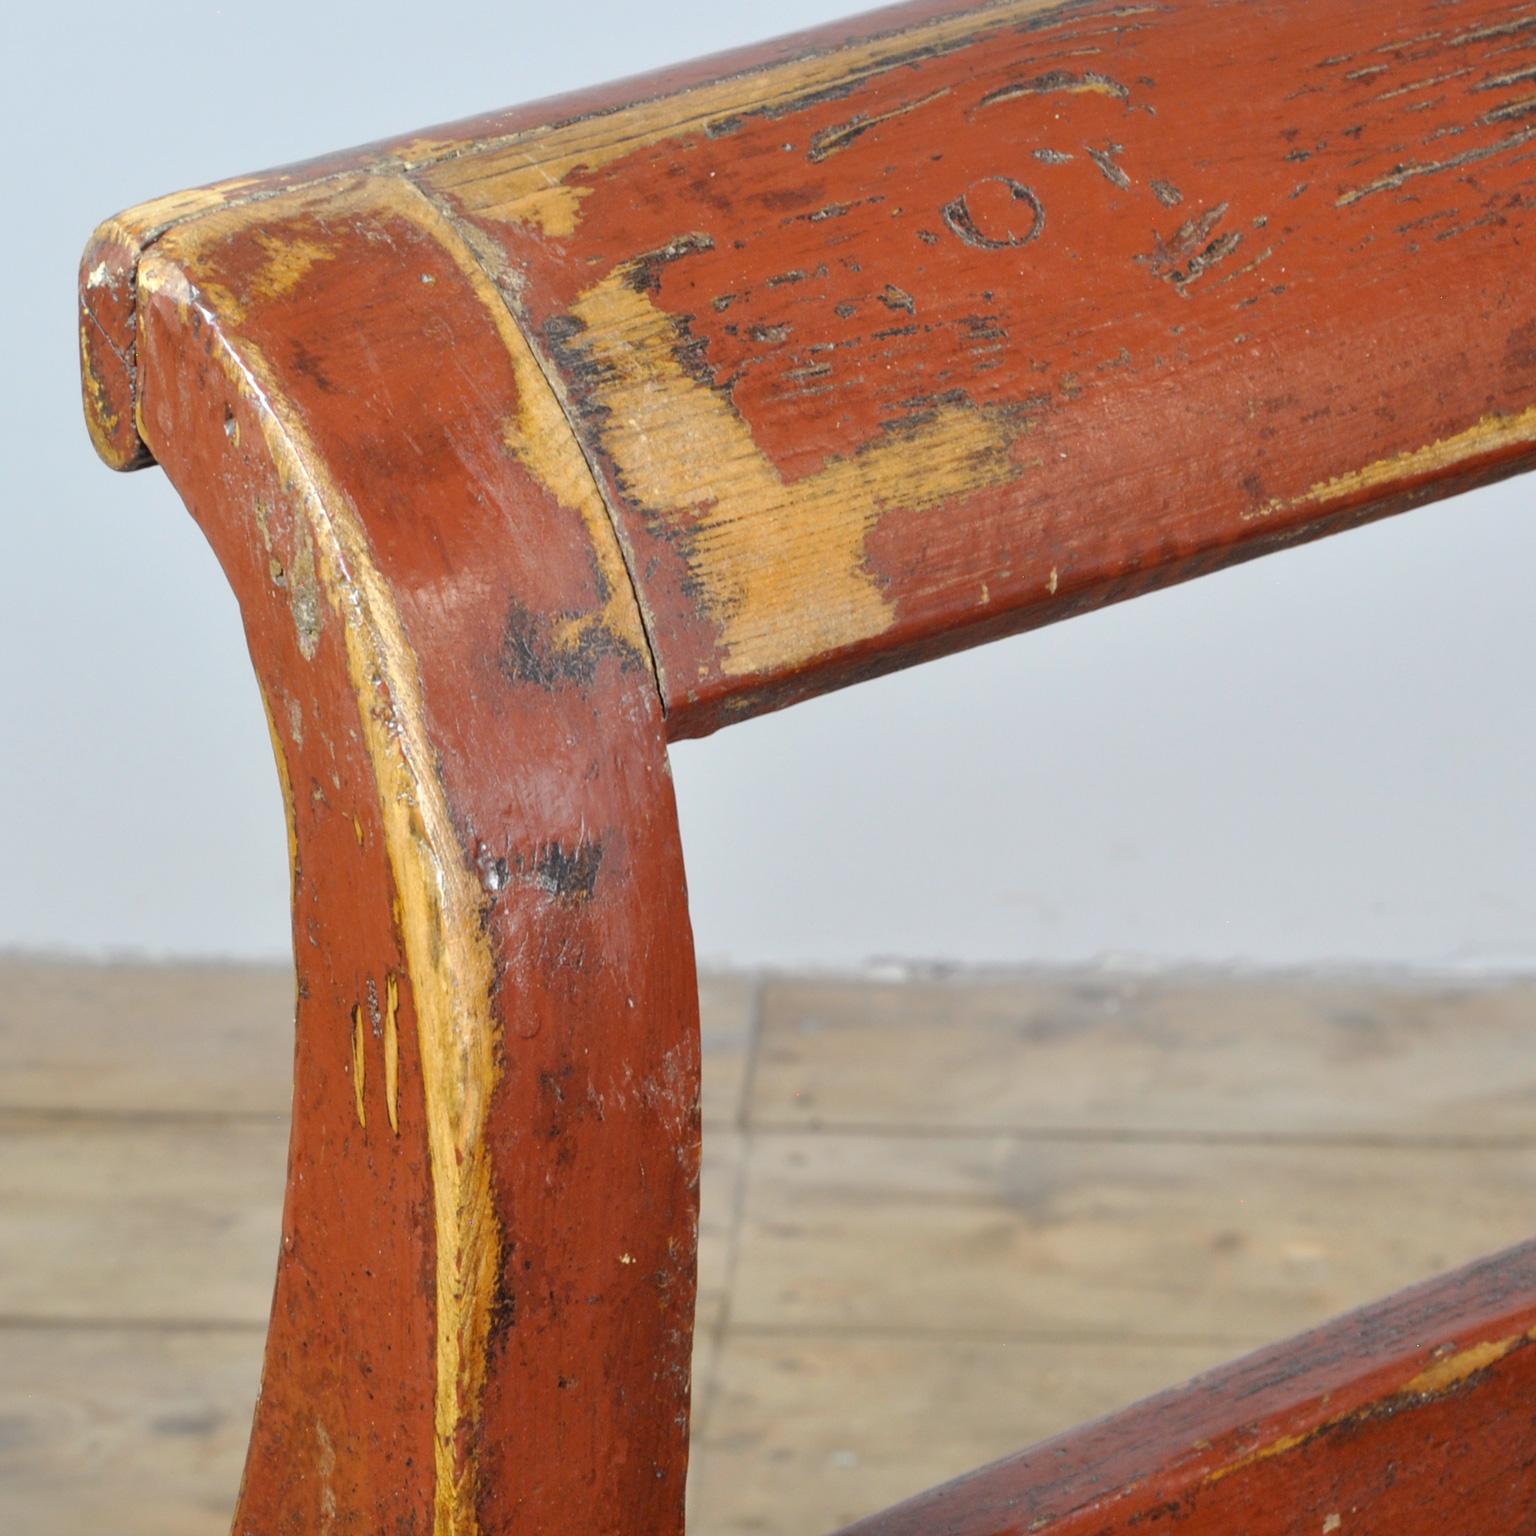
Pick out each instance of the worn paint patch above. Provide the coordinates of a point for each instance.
(1057, 82)
(292, 572)
(1455, 1368)
(325, 1465)
(392, 1050)
(539, 435)
(360, 1064)
(527, 179)
(762, 549)
(103, 419)
(840, 135)
(1496, 434)
(288, 262)
(449, 965)
(304, 597)
(1434, 1381)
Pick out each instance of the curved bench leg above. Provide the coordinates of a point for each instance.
(484, 1301)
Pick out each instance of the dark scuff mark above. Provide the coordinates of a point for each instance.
(1193, 250)
(1105, 160)
(503, 1305)
(569, 873)
(921, 410)
(984, 327)
(790, 200)
(958, 216)
(1053, 81)
(533, 651)
(1167, 194)
(307, 365)
(1510, 111)
(1412, 170)
(643, 274)
(839, 136)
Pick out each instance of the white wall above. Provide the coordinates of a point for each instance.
(1324, 757)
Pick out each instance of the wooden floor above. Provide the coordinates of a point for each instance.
(942, 1217)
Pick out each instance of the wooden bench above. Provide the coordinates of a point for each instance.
(531, 443)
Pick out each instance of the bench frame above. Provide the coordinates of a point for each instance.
(481, 592)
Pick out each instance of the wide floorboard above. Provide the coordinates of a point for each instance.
(944, 1216)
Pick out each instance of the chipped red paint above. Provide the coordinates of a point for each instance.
(1413, 1415)
(1193, 254)
(530, 442)
(345, 1417)
(560, 794)
(120, 241)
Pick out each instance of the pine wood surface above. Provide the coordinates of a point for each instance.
(530, 443)
(956, 318)
(901, 1275)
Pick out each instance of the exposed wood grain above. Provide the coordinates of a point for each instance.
(470, 736)
(902, 335)
(1053, 304)
(530, 442)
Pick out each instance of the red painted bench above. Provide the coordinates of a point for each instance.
(533, 442)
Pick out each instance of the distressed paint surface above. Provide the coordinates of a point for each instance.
(533, 440)
(950, 321)
(1148, 264)
(1411, 1415)
(497, 1074)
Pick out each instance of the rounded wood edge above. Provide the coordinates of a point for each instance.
(489, 910)
(1411, 1415)
(108, 281)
